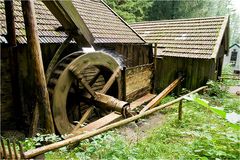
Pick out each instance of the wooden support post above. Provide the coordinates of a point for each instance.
(155, 56)
(180, 110)
(41, 94)
(154, 67)
(11, 34)
(123, 80)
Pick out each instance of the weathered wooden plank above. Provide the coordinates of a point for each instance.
(41, 94)
(194, 74)
(70, 19)
(137, 78)
(159, 97)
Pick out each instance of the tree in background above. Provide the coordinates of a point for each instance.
(130, 10)
(140, 10)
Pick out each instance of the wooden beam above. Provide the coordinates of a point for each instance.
(56, 56)
(155, 67)
(88, 87)
(165, 92)
(155, 57)
(123, 83)
(11, 31)
(13, 59)
(93, 80)
(41, 94)
(44, 149)
(70, 19)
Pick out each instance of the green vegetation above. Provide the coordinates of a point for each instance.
(227, 71)
(141, 10)
(202, 134)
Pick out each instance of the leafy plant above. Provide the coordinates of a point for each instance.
(217, 89)
(40, 140)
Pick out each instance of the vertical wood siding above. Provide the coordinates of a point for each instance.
(197, 72)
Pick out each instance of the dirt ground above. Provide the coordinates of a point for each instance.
(135, 131)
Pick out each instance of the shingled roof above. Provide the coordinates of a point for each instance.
(104, 24)
(191, 38)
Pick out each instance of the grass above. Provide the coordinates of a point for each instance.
(200, 135)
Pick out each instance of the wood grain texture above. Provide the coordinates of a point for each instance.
(137, 79)
(41, 93)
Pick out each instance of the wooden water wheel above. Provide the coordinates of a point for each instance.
(82, 88)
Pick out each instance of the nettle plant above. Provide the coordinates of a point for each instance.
(40, 140)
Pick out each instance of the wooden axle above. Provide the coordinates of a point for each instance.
(111, 103)
(108, 102)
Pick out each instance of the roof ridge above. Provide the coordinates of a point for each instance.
(123, 20)
(181, 19)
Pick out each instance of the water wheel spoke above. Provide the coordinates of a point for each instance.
(84, 118)
(94, 79)
(110, 81)
(88, 87)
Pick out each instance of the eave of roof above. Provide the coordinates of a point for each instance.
(235, 44)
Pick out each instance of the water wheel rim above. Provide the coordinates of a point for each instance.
(64, 83)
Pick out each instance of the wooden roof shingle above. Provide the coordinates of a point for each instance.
(190, 38)
(104, 24)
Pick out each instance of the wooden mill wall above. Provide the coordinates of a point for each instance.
(7, 107)
(16, 115)
(133, 54)
(197, 72)
(138, 60)
(138, 81)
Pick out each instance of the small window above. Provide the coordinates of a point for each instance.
(234, 55)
